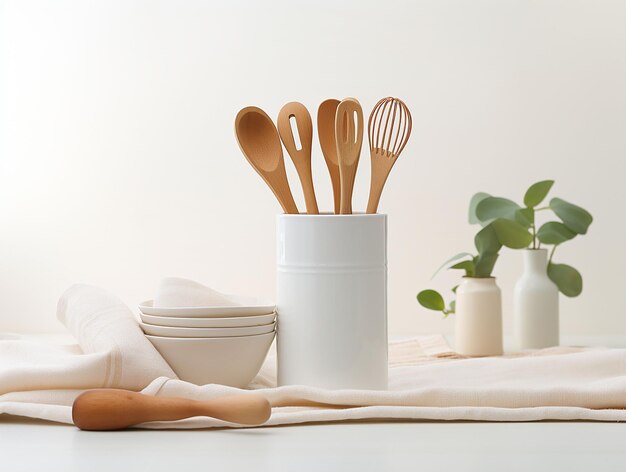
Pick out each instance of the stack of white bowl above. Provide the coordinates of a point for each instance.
(219, 344)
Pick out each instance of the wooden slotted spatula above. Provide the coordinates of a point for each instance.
(301, 156)
(389, 129)
(106, 409)
(326, 131)
(349, 138)
(259, 141)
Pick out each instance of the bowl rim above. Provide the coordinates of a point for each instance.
(262, 304)
(216, 319)
(174, 338)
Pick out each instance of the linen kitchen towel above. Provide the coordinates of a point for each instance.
(178, 292)
(112, 350)
(427, 380)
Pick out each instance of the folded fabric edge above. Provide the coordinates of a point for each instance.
(283, 416)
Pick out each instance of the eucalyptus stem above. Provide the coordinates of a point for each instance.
(552, 254)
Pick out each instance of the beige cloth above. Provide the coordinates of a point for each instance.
(177, 292)
(426, 380)
(112, 350)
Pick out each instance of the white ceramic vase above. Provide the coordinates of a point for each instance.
(536, 304)
(478, 330)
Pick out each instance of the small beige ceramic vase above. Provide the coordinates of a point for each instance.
(478, 330)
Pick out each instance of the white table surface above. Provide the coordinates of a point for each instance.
(35, 445)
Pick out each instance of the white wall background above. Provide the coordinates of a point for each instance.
(118, 163)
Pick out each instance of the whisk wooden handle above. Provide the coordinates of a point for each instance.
(111, 409)
(379, 176)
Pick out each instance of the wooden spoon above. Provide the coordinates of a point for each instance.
(349, 137)
(260, 143)
(301, 156)
(326, 130)
(106, 409)
(389, 129)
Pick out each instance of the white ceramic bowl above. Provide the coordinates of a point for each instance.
(248, 307)
(232, 322)
(233, 361)
(175, 332)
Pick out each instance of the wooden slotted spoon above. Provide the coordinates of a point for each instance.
(389, 129)
(326, 130)
(349, 138)
(301, 156)
(259, 141)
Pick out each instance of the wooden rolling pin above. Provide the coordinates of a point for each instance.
(106, 409)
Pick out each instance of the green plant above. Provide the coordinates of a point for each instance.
(488, 241)
(574, 221)
(505, 223)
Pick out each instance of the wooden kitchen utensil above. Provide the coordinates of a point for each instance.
(259, 141)
(349, 137)
(389, 129)
(326, 131)
(301, 156)
(109, 409)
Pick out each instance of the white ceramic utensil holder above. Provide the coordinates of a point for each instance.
(332, 301)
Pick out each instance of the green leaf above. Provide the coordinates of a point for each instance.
(431, 299)
(467, 266)
(486, 241)
(568, 279)
(575, 218)
(554, 232)
(525, 217)
(460, 255)
(537, 192)
(491, 208)
(476, 199)
(485, 264)
(454, 288)
(511, 234)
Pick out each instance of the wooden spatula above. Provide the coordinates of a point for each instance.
(349, 138)
(301, 156)
(259, 141)
(326, 131)
(109, 409)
